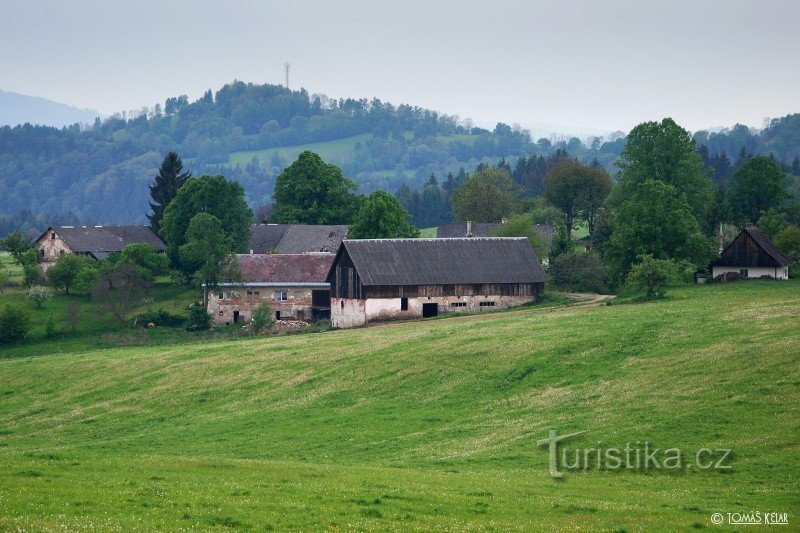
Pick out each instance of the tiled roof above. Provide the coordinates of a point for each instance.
(296, 238)
(91, 239)
(285, 268)
(445, 261)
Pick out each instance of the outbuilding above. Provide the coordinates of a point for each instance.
(386, 279)
(293, 285)
(752, 255)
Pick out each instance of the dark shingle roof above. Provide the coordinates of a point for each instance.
(101, 240)
(483, 229)
(296, 238)
(445, 261)
(732, 254)
(285, 268)
(767, 245)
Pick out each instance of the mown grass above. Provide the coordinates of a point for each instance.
(421, 425)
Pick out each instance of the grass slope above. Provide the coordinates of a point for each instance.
(425, 425)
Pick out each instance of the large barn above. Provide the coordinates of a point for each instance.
(293, 285)
(384, 279)
(96, 242)
(752, 255)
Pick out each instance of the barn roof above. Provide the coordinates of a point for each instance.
(729, 258)
(102, 240)
(484, 229)
(285, 268)
(444, 261)
(296, 238)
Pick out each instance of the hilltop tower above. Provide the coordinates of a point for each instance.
(286, 68)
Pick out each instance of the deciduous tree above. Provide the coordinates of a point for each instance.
(382, 217)
(488, 195)
(756, 186)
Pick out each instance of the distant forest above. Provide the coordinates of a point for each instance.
(99, 174)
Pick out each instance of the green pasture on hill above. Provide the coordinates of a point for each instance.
(425, 425)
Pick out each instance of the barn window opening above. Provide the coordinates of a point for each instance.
(486, 304)
(221, 313)
(257, 293)
(249, 293)
(342, 302)
(404, 304)
(743, 272)
(281, 296)
(458, 304)
(221, 297)
(52, 236)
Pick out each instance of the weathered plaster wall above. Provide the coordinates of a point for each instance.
(753, 272)
(360, 312)
(49, 250)
(297, 306)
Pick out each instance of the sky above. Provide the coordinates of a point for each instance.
(590, 65)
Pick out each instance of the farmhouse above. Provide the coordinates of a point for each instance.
(293, 285)
(296, 238)
(752, 255)
(96, 242)
(484, 229)
(384, 279)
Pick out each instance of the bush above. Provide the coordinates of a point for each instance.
(579, 271)
(161, 318)
(38, 295)
(262, 319)
(3, 280)
(50, 330)
(15, 322)
(64, 273)
(199, 319)
(653, 274)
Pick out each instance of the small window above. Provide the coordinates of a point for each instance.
(342, 302)
(221, 313)
(404, 304)
(257, 293)
(487, 304)
(249, 293)
(228, 295)
(458, 304)
(220, 296)
(41, 252)
(281, 296)
(52, 236)
(743, 272)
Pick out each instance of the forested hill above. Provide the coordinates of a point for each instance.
(100, 173)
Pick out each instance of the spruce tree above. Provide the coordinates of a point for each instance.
(165, 187)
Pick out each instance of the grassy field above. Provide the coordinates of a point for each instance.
(428, 233)
(335, 151)
(423, 425)
(10, 267)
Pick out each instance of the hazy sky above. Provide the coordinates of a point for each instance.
(598, 64)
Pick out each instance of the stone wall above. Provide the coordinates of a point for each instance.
(349, 312)
(246, 299)
(49, 250)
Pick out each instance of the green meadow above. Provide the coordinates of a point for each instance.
(424, 425)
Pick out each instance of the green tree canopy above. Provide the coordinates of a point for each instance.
(15, 321)
(311, 191)
(64, 273)
(652, 275)
(207, 250)
(664, 151)
(215, 196)
(655, 220)
(488, 195)
(148, 261)
(756, 186)
(577, 189)
(522, 226)
(165, 187)
(16, 244)
(382, 217)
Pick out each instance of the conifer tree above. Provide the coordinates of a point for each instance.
(165, 187)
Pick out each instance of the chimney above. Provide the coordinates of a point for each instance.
(251, 251)
(503, 220)
(721, 240)
(469, 228)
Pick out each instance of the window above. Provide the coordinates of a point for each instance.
(61, 252)
(52, 236)
(486, 304)
(458, 304)
(281, 296)
(221, 313)
(404, 304)
(256, 293)
(743, 272)
(220, 296)
(249, 293)
(342, 302)
(228, 295)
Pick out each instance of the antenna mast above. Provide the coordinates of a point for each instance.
(286, 68)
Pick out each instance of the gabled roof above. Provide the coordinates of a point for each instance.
(444, 261)
(728, 256)
(101, 240)
(296, 238)
(285, 268)
(484, 229)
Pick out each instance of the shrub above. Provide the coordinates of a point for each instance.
(199, 319)
(15, 322)
(653, 274)
(65, 272)
(161, 318)
(3, 280)
(579, 271)
(38, 295)
(262, 319)
(50, 330)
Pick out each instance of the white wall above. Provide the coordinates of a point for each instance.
(753, 272)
